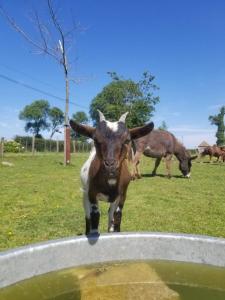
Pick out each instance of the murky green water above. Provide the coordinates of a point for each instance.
(155, 280)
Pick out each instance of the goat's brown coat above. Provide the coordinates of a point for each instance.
(112, 143)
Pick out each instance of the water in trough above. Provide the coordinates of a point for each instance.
(145, 280)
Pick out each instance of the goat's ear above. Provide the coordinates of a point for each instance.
(82, 129)
(138, 132)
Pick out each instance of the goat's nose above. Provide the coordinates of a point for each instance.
(109, 163)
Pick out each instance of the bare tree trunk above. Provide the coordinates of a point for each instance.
(2, 148)
(53, 132)
(57, 145)
(33, 144)
(66, 128)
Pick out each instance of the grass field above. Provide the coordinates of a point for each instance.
(40, 199)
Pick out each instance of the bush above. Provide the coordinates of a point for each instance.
(12, 146)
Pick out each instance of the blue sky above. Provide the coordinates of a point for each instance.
(182, 43)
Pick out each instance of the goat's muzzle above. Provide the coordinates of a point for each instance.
(111, 167)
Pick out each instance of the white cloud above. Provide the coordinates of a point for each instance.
(164, 116)
(191, 137)
(192, 141)
(215, 106)
(19, 125)
(175, 114)
(3, 124)
(159, 119)
(189, 129)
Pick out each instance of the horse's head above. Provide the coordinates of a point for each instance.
(185, 164)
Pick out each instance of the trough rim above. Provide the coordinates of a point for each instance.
(36, 259)
(104, 236)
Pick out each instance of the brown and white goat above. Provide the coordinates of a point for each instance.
(105, 175)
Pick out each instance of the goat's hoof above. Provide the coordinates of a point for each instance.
(111, 229)
(93, 234)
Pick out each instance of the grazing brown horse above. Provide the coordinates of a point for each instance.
(159, 144)
(215, 151)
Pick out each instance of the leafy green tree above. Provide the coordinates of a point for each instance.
(122, 95)
(218, 120)
(163, 126)
(56, 117)
(35, 115)
(82, 118)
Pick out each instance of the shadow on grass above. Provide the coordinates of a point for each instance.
(213, 163)
(163, 176)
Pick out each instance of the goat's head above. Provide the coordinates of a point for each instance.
(112, 140)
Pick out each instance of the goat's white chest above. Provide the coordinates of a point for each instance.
(112, 181)
(85, 170)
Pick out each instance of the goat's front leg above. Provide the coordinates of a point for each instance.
(95, 217)
(87, 210)
(115, 213)
(92, 214)
(111, 211)
(118, 217)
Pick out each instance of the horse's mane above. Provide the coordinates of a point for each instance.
(179, 149)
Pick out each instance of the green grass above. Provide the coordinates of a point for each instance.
(40, 199)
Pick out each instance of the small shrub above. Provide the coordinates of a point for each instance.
(12, 146)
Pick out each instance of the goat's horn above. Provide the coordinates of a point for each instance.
(123, 117)
(101, 116)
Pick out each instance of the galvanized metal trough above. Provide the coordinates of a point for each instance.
(26, 262)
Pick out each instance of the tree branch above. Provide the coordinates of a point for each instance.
(39, 26)
(34, 43)
(62, 35)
